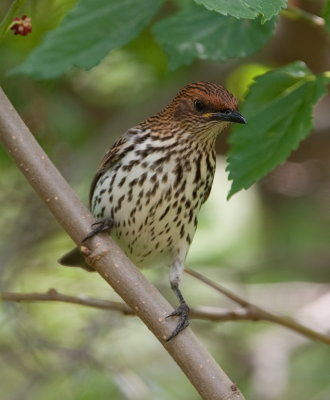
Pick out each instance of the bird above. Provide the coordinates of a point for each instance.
(150, 186)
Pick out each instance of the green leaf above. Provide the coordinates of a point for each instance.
(245, 8)
(326, 15)
(198, 33)
(278, 110)
(87, 34)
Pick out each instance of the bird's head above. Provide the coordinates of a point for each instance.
(204, 106)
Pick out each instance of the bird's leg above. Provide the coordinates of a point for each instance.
(98, 227)
(182, 311)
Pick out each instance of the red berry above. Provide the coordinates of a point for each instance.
(22, 26)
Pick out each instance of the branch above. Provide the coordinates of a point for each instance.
(248, 312)
(296, 14)
(257, 313)
(54, 295)
(109, 260)
(202, 312)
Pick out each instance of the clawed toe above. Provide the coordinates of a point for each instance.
(99, 227)
(97, 223)
(183, 313)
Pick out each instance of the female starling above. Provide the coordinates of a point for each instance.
(151, 184)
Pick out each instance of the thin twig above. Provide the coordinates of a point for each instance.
(202, 312)
(248, 312)
(257, 313)
(296, 14)
(54, 295)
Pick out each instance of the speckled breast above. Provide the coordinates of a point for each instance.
(154, 196)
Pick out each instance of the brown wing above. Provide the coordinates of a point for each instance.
(109, 159)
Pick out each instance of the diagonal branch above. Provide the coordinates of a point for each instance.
(257, 313)
(109, 261)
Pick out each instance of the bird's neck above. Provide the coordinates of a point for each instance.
(161, 128)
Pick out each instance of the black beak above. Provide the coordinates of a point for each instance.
(230, 116)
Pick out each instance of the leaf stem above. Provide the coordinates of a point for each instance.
(8, 18)
(295, 14)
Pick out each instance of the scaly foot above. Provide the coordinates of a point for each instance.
(98, 227)
(183, 313)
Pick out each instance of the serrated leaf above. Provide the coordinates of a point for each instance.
(245, 8)
(278, 109)
(326, 15)
(87, 34)
(198, 33)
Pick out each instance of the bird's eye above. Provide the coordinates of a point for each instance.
(225, 111)
(199, 106)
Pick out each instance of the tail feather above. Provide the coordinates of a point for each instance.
(74, 258)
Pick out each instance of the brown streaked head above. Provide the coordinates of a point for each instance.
(205, 103)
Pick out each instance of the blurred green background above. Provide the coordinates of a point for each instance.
(270, 244)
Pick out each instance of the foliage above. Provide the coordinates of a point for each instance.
(245, 9)
(87, 34)
(185, 38)
(94, 68)
(326, 15)
(214, 30)
(279, 110)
